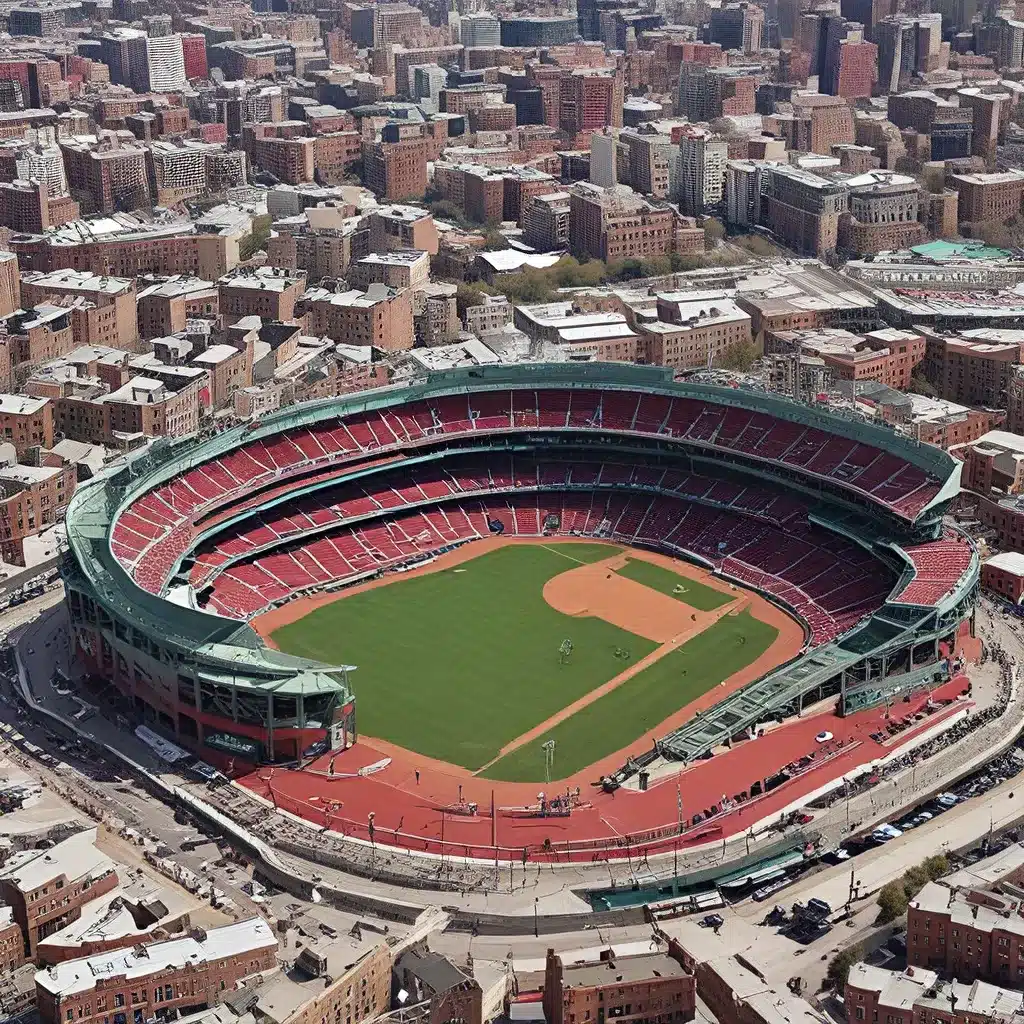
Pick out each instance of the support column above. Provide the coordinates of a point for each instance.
(270, 726)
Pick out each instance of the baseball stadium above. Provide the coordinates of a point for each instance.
(577, 607)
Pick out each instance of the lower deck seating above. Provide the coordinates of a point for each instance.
(830, 582)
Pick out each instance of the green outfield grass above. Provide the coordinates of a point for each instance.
(657, 577)
(641, 703)
(457, 663)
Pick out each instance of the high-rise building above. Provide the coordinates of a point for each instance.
(852, 68)
(427, 82)
(193, 52)
(709, 92)
(803, 209)
(116, 54)
(590, 100)
(738, 26)
(480, 30)
(869, 13)
(396, 166)
(107, 174)
(157, 65)
(702, 162)
(603, 158)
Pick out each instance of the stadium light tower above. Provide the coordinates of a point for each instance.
(548, 746)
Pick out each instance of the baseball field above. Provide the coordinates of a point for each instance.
(481, 658)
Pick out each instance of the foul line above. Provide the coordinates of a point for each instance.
(579, 561)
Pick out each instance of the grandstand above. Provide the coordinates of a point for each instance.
(836, 520)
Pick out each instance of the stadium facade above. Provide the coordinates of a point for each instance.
(173, 550)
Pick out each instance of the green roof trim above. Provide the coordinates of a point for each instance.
(970, 249)
(234, 648)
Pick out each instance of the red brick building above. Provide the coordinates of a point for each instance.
(967, 934)
(194, 972)
(995, 196)
(1003, 575)
(919, 996)
(47, 889)
(396, 167)
(193, 49)
(26, 422)
(653, 988)
(266, 292)
(380, 316)
(856, 69)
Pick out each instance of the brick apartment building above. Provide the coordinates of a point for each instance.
(291, 160)
(689, 335)
(26, 206)
(189, 973)
(888, 356)
(267, 292)
(34, 335)
(1003, 574)
(10, 284)
(112, 318)
(616, 224)
(26, 422)
(165, 305)
(916, 996)
(967, 934)
(815, 124)
(107, 175)
(995, 196)
(975, 367)
(334, 154)
(47, 889)
(380, 316)
(401, 227)
(395, 168)
(12, 943)
(646, 989)
(803, 209)
(32, 499)
(590, 100)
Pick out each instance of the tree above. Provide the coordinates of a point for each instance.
(257, 239)
(758, 245)
(839, 967)
(741, 356)
(936, 866)
(467, 295)
(892, 901)
(919, 384)
(714, 232)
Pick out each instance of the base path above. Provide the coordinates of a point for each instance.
(787, 644)
(597, 590)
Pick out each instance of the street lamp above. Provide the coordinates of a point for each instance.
(548, 746)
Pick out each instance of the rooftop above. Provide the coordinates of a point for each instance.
(75, 857)
(20, 405)
(993, 178)
(77, 280)
(1008, 561)
(74, 976)
(271, 279)
(622, 970)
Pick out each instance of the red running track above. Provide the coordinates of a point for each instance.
(407, 812)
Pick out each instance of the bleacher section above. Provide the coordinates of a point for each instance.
(436, 481)
(830, 582)
(938, 567)
(149, 536)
